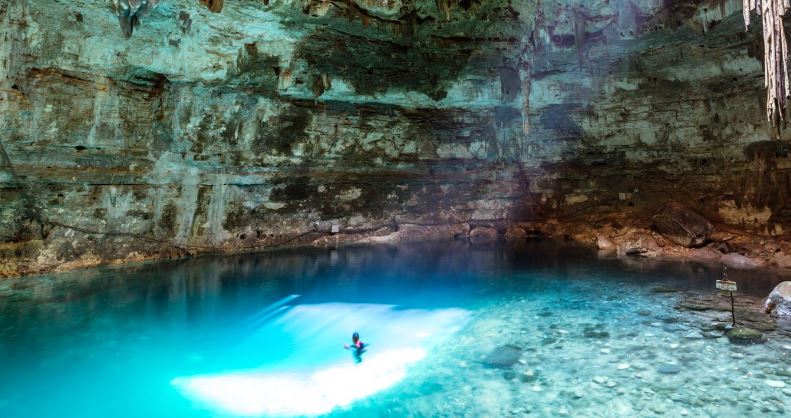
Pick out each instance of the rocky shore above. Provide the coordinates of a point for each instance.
(615, 236)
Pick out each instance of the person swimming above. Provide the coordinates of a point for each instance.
(358, 347)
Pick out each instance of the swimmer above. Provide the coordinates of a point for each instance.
(358, 346)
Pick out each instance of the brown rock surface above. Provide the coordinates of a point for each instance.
(682, 225)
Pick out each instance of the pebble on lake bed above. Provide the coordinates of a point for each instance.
(775, 383)
(600, 379)
(669, 369)
(503, 356)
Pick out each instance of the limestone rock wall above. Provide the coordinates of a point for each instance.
(634, 104)
(240, 125)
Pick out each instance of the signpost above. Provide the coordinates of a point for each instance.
(730, 286)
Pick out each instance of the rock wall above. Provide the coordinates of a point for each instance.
(242, 125)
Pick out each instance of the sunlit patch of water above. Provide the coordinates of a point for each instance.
(321, 380)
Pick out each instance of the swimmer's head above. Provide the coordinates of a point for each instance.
(355, 337)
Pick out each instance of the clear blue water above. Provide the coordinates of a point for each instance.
(263, 334)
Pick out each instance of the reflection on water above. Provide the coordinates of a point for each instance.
(114, 341)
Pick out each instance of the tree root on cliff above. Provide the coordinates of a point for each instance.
(775, 54)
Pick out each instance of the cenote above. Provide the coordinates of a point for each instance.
(539, 329)
(525, 208)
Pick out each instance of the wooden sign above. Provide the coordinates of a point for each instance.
(726, 285)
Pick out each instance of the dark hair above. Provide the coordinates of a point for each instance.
(355, 336)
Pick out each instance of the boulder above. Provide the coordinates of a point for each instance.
(782, 260)
(668, 369)
(483, 235)
(682, 225)
(779, 301)
(503, 356)
(515, 233)
(638, 243)
(605, 244)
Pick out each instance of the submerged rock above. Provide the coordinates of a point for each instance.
(528, 376)
(693, 335)
(503, 356)
(779, 301)
(669, 369)
(682, 225)
(694, 306)
(593, 332)
(755, 320)
(664, 289)
(744, 335)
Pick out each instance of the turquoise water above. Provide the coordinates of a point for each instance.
(261, 335)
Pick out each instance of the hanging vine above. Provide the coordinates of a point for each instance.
(775, 54)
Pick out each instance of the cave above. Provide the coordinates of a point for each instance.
(355, 208)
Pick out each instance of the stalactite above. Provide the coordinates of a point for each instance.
(775, 54)
(129, 13)
(214, 6)
(525, 76)
(580, 21)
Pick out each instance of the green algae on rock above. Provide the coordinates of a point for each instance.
(744, 335)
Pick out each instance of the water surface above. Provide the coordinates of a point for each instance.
(263, 334)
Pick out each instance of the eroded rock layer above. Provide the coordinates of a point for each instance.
(242, 125)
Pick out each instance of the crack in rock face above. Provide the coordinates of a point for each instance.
(129, 13)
